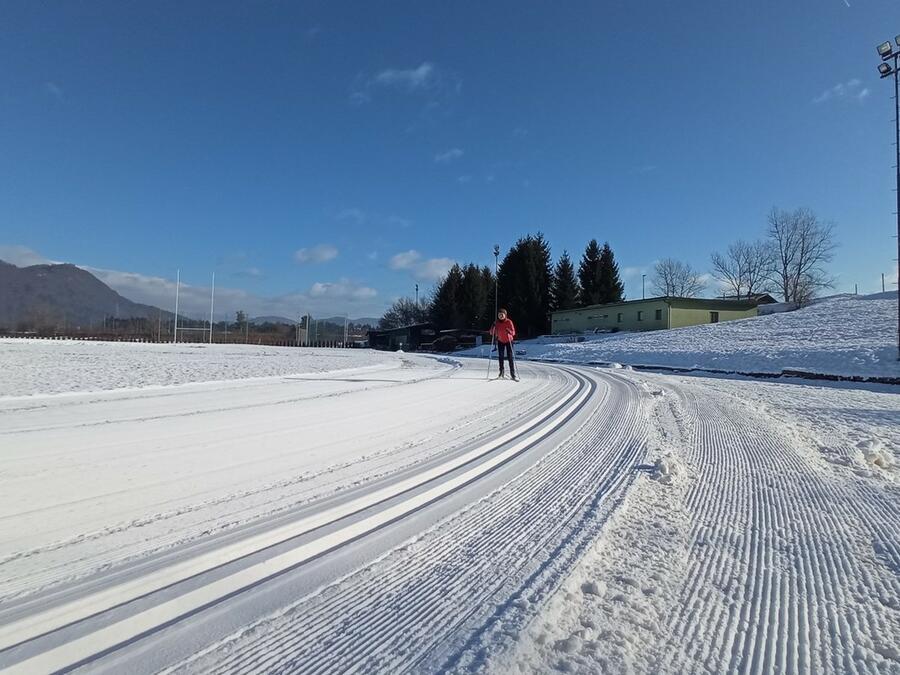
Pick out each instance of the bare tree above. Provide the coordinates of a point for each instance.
(744, 268)
(674, 278)
(403, 312)
(802, 246)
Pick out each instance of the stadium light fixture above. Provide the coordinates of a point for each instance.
(885, 50)
(884, 69)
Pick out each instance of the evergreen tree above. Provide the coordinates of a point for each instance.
(525, 279)
(446, 307)
(589, 275)
(565, 290)
(609, 285)
(473, 298)
(487, 280)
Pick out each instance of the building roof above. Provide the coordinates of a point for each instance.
(672, 301)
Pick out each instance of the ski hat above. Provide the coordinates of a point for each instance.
(502, 310)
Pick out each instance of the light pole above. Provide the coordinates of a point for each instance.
(496, 280)
(417, 296)
(890, 65)
(643, 291)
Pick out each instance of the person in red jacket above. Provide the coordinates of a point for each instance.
(505, 332)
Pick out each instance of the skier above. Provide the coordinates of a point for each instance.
(505, 331)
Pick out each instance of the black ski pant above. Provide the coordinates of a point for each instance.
(508, 348)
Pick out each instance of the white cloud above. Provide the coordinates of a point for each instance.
(421, 269)
(842, 90)
(372, 255)
(412, 78)
(464, 179)
(448, 156)
(405, 260)
(320, 299)
(323, 298)
(22, 256)
(343, 289)
(317, 254)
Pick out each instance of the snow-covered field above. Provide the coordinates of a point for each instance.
(52, 366)
(842, 335)
(389, 513)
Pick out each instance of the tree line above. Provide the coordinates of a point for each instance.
(527, 284)
(789, 260)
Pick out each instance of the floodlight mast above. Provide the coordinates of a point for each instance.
(496, 280)
(890, 65)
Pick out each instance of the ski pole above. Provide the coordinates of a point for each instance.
(488, 377)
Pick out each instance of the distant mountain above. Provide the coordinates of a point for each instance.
(360, 322)
(50, 295)
(259, 320)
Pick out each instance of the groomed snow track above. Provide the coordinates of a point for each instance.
(394, 575)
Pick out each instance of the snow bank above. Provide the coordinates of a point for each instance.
(844, 335)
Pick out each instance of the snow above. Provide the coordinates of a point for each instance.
(354, 510)
(758, 551)
(844, 335)
(55, 366)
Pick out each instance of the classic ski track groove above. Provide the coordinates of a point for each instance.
(70, 570)
(484, 554)
(565, 403)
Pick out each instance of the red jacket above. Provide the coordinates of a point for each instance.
(504, 330)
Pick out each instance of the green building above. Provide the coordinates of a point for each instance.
(651, 314)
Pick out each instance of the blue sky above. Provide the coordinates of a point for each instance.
(327, 156)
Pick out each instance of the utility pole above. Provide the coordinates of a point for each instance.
(643, 287)
(417, 296)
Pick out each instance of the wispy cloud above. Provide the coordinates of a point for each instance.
(352, 215)
(248, 273)
(397, 221)
(410, 78)
(426, 77)
(54, 91)
(843, 90)
(466, 178)
(448, 156)
(420, 268)
(22, 256)
(317, 254)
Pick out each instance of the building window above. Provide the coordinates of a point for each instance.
(640, 315)
(714, 317)
(619, 318)
(659, 315)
